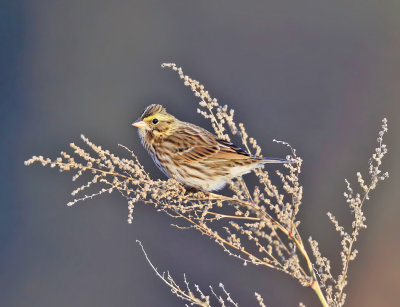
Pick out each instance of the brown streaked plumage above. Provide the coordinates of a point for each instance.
(193, 155)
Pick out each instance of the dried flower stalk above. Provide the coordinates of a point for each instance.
(197, 297)
(257, 225)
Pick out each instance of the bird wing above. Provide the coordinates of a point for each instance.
(193, 144)
(230, 151)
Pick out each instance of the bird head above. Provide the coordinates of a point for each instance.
(156, 120)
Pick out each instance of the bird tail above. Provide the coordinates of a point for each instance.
(274, 160)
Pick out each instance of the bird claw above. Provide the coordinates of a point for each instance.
(191, 190)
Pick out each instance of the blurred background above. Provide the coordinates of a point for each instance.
(318, 74)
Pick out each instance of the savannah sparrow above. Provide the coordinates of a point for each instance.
(191, 154)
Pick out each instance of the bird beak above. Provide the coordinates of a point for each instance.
(140, 124)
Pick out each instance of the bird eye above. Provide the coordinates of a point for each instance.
(155, 121)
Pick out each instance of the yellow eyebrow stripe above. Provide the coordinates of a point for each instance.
(151, 117)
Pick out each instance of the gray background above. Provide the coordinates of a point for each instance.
(318, 74)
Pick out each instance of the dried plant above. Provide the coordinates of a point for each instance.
(198, 297)
(257, 225)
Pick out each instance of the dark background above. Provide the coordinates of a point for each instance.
(318, 74)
